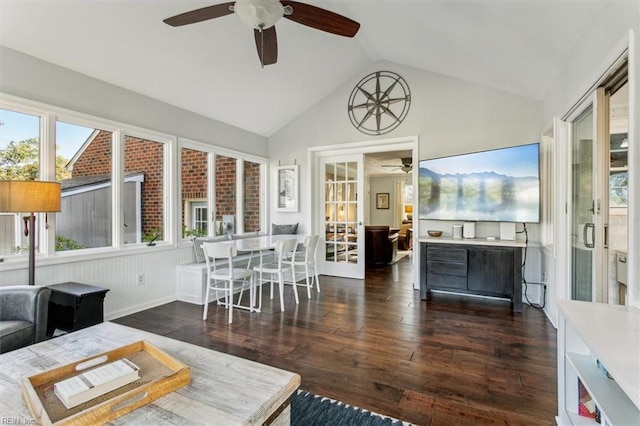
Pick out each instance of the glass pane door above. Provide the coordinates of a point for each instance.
(583, 206)
(342, 179)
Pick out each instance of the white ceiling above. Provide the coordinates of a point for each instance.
(212, 68)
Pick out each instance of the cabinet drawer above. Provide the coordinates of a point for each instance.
(447, 268)
(446, 281)
(447, 254)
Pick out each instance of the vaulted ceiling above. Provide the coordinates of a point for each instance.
(211, 68)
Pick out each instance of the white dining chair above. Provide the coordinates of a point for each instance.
(280, 270)
(307, 259)
(221, 278)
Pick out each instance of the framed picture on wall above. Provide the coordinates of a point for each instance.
(382, 200)
(287, 181)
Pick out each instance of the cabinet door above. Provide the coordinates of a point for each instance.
(490, 271)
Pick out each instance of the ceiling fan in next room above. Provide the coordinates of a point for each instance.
(262, 15)
(406, 166)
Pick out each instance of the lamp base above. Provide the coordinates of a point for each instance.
(31, 232)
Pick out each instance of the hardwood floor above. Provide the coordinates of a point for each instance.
(374, 344)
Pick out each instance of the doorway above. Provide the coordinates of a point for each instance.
(599, 190)
(326, 213)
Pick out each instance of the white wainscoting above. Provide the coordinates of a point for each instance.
(118, 274)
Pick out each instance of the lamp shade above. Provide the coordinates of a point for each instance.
(21, 196)
(408, 208)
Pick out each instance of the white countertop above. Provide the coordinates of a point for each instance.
(613, 334)
(472, 241)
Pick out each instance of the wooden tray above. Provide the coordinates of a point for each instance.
(159, 375)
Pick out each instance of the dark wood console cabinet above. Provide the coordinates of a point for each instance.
(486, 270)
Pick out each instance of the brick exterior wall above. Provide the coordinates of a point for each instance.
(194, 177)
(96, 158)
(225, 186)
(141, 155)
(147, 157)
(251, 196)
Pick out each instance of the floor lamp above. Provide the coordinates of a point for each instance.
(18, 196)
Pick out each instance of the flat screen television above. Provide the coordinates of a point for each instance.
(500, 185)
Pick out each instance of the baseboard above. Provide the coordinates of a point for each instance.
(108, 316)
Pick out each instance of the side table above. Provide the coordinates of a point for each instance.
(73, 306)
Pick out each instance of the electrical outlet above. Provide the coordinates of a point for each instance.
(140, 279)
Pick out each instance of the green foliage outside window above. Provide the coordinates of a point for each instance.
(188, 232)
(20, 161)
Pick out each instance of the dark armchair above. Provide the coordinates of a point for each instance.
(23, 316)
(405, 237)
(380, 244)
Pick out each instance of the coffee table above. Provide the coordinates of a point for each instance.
(224, 389)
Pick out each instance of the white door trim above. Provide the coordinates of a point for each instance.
(363, 147)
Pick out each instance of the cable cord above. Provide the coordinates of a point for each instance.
(524, 264)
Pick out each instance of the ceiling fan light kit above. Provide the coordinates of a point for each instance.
(259, 14)
(262, 15)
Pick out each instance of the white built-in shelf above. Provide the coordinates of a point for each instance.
(604, 391)
(591, 332)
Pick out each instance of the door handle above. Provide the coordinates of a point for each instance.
(585, 231)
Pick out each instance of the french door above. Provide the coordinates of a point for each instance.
(583, 205)
(342, 180)
(589, 199)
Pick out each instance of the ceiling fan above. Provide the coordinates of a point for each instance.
(262, 15)
(406, 166)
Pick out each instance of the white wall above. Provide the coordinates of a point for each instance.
(33, 79)
(448, 115)
(37, 80)
(381, 216)
(593, 53)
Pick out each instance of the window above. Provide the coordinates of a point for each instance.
(20, 160)
(80, 153)
(200, 218)
(252, 196)
(238, 184)
(226, 192)
(84, 169)
(144, 190)
(117, 183)
(194, 170)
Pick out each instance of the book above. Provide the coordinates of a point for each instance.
(95, 382)
(586, 405)
(603, 369)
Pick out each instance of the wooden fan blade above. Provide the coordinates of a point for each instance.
(321, 19)
(199, 15)
(267, 45)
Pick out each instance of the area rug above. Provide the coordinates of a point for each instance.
(308, 409)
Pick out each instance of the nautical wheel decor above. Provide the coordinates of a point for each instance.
(379, 103)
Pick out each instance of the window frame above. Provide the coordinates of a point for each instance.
(46, 228)
(240, 157)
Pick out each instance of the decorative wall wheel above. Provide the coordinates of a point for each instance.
(379, 103)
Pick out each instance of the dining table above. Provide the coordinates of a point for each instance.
(258, 246)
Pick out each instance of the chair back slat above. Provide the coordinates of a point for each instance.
(311, 245)
(214, 251)
(285, 250)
